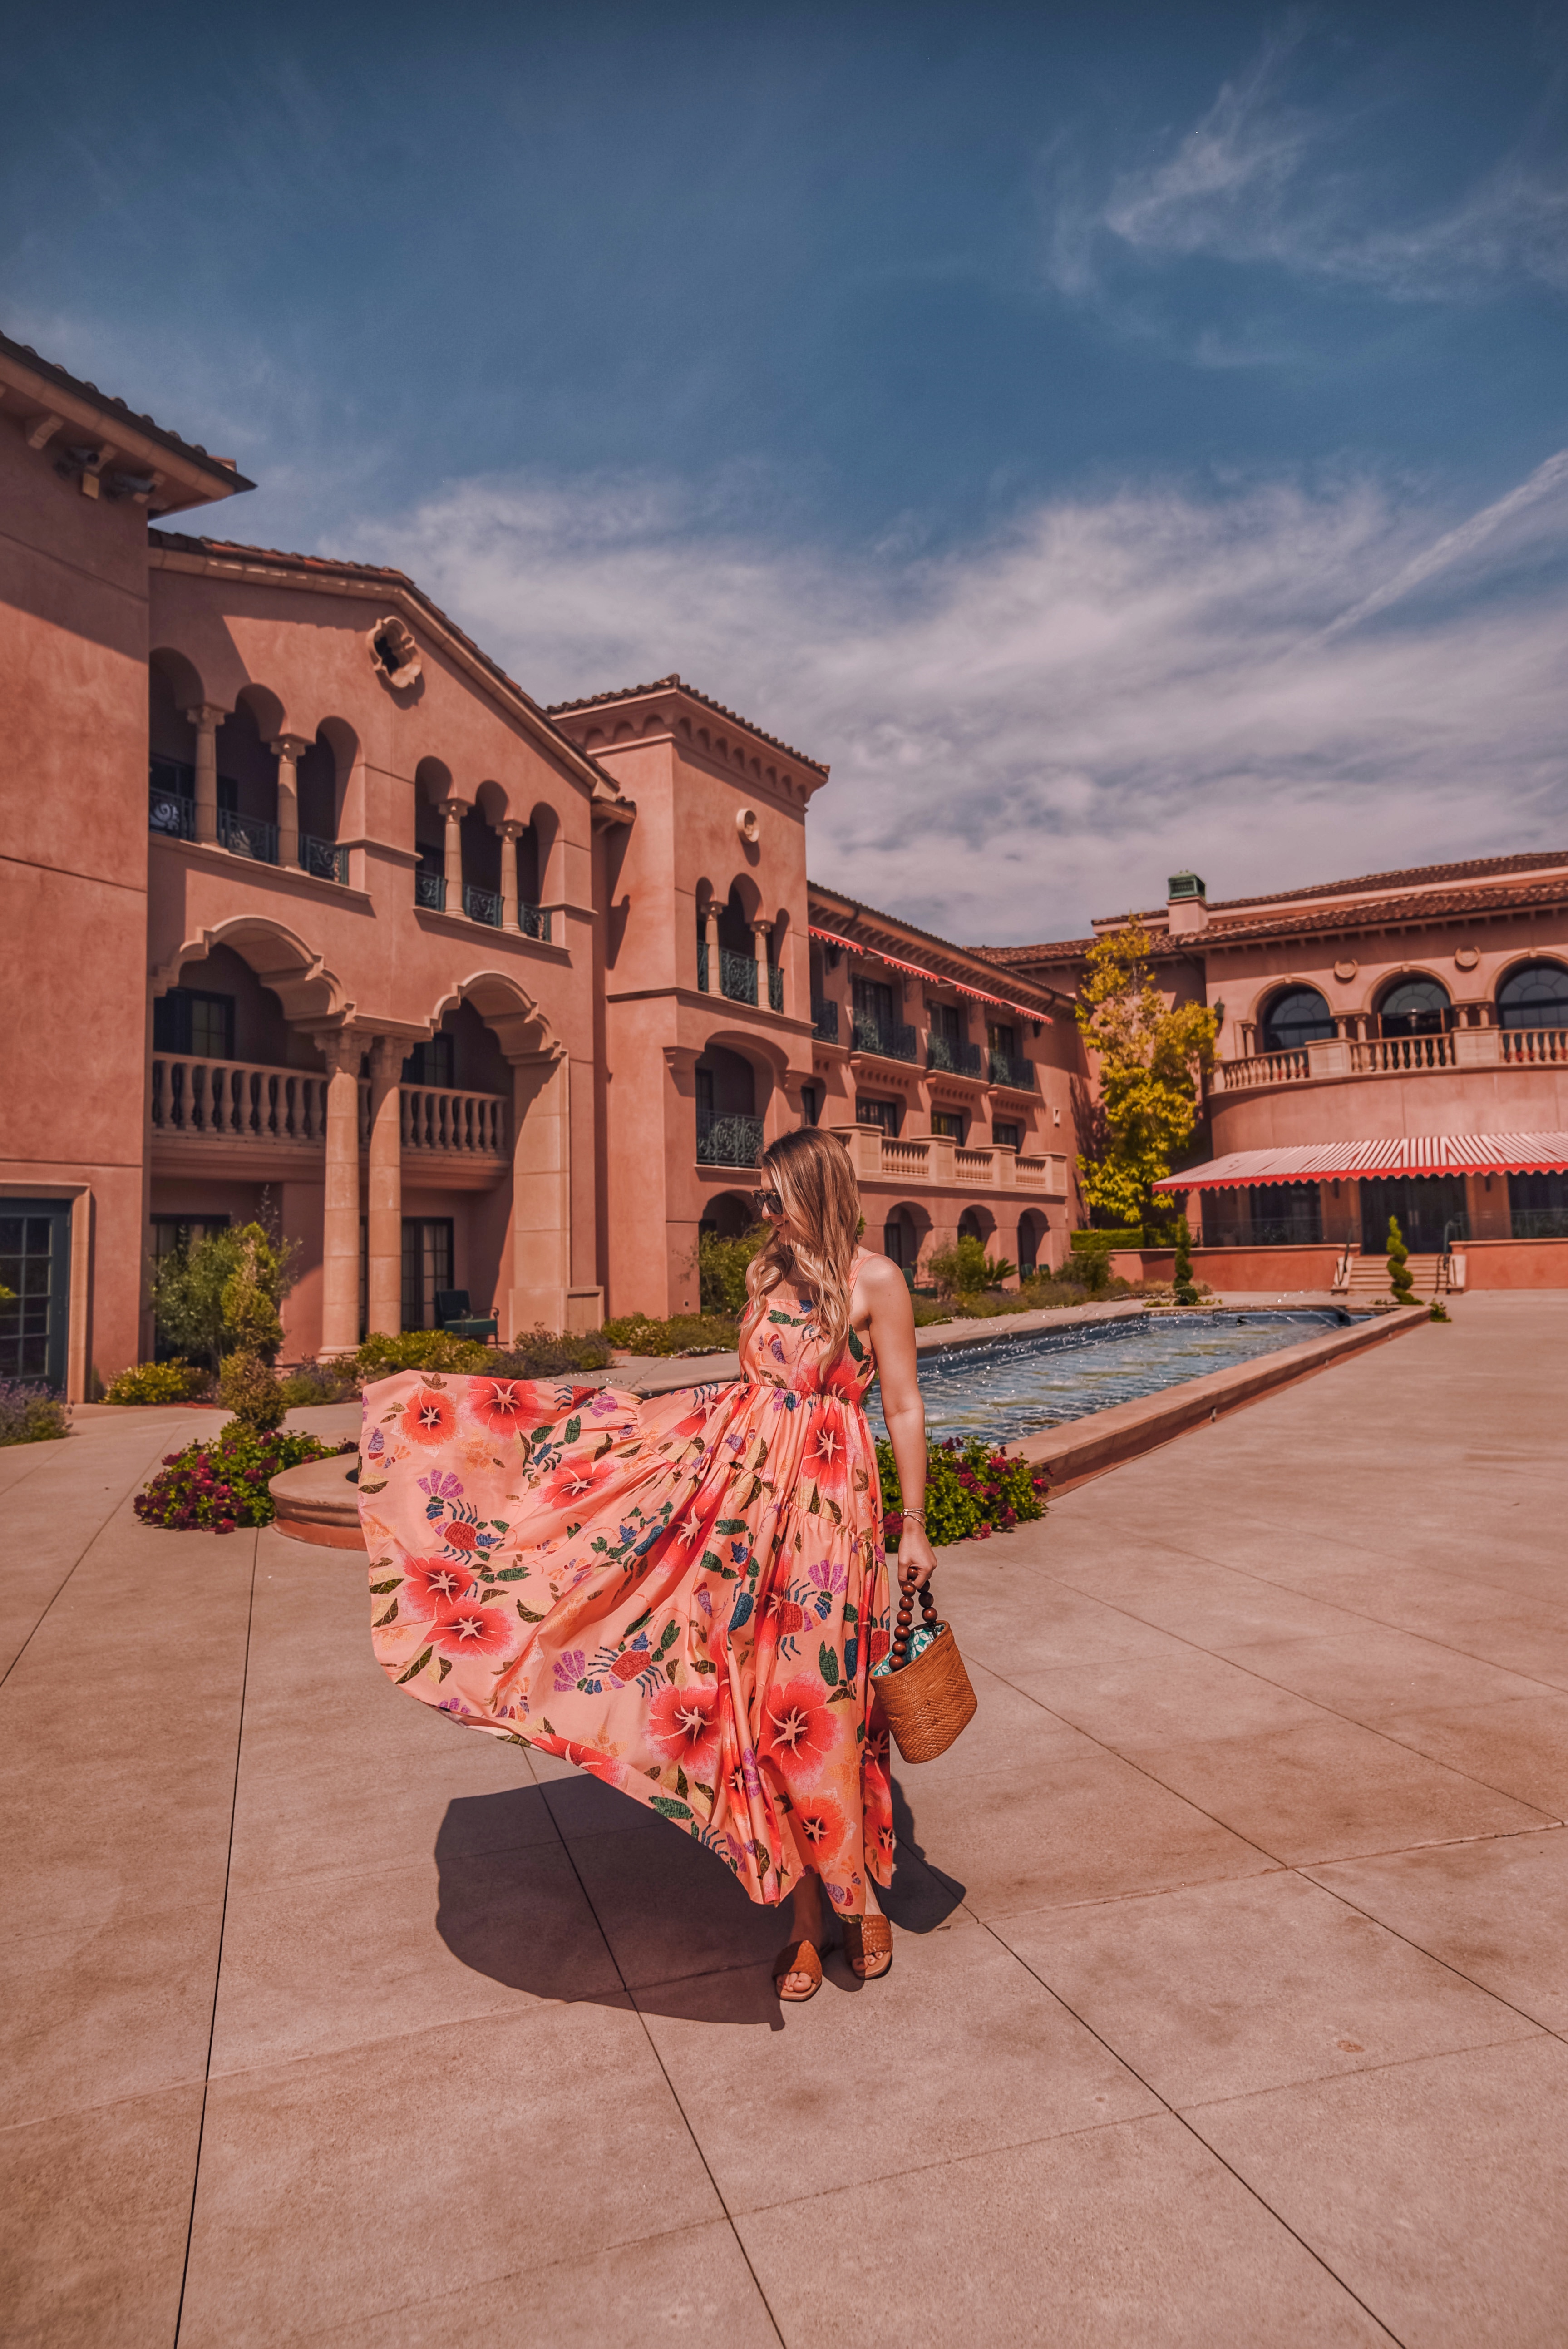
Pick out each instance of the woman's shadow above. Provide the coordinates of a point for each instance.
(571, 1890)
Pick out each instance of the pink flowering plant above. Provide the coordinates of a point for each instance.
(971, 1491)
(223, 1485)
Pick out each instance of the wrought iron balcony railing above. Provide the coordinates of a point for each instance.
(702, 964)
(825, 1022)
(248, 835)
(894, 1043)
(481, 904)
(949, 1052)
(738, 980)
(323, 859)
(728, 1141)
(533, 921)
(431, 890)
(775, 988)
(171, 813)
(1008, 1069)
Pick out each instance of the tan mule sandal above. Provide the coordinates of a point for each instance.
(798, 1957)
(868, 1946)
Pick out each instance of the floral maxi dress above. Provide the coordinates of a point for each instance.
(685, 1596)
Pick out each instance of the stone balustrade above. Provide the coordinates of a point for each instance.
(935, 1159)
(245, 1101)
(1385, 1056)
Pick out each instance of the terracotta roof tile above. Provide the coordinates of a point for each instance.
(66, 381)
(1526, 861)
(678, 684)
(899, 922)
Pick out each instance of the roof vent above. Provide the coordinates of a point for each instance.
(1187, 885)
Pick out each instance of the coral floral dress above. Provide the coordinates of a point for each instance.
(684, 1595)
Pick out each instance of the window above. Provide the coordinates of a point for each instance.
(810, 1104)
(188, 1020)
(430, 1064)
(948, 1022)
(900, 1245)
(172, 1235)
(888, 1114)
(948, 1124)
(1415, 1007)
(1263, 1214)
(1002, 1039)
(1538, 1207)
(873, 1001)
(35, 1267)
(1030, 1232)
(1535, 996)
(1005, 1136)
(426, 1267)
(1297, 1017)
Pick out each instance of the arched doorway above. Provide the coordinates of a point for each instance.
(729, 1129)
(1535, 995)
(1414, 1007)
(1031, 1229)
(729, 1217)
(1298, 1017)
(901, 1242)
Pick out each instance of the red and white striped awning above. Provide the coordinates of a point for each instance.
(934, 978)
(1412, 1154)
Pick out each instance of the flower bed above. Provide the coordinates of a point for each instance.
(30, 1414)
(971, 1492)
(222, 1485)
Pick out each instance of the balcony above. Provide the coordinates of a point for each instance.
(323, 860)
(728, 1141)
(431, 890)
(933, 1159)
(481, 904)
(890, 1043)
(248, 835)
(1396, 1056)
(242, 1102)
(170, 813)
(952, 1057)
(825, 1022)
(1008, 1069)
(775, 988)
(738, 981)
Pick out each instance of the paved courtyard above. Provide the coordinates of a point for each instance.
(1229, 2001)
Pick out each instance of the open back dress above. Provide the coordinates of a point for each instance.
(684, 1595)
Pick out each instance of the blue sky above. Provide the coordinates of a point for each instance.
(1114, 438)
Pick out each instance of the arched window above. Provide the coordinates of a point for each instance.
(1414, 1007)
(1300, 1016)
(1536, 995)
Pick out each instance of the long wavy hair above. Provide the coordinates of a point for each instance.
(812, 1174)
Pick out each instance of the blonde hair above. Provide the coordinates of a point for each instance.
(813, 1175)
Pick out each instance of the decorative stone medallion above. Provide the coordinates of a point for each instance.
(1345, 968)
(1467, 957)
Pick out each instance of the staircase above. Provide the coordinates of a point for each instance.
(1367, 1277)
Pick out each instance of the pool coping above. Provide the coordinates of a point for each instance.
(1091, 1447)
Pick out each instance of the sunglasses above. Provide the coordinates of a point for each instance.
(768, 1203)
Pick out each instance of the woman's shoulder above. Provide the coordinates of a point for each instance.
(877, 1278)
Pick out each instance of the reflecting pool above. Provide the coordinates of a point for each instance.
(1004, 1388)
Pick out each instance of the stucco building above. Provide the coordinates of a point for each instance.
(312, 910)
(1396, 1045)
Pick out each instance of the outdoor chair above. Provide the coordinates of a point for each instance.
(453, 1316)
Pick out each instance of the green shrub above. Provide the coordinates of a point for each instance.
(543, 1354)
(683, 1333)
(221, 1295)
(1399, 1278)
(721, 1270)
(311, 1383)
(1181, 1274)
(971, 1491)
(248, 1387)
(219, 1485)
(964, 1269)
(160, 1382)
(419, 1349)
(31, 1414)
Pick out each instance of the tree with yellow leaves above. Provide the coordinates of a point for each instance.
(1150, 1055)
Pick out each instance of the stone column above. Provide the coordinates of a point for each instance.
(288, 750)
(384, 1205)
(454, 811)
(761, 932)
(510, 833)
(541, 1191)
(707, 922)
(206, 720)
(340, 1223)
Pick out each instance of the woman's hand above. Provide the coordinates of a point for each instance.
(916, 1558)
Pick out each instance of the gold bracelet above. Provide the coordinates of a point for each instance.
(918, 1515)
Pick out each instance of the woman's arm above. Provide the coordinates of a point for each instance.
(881, 1287)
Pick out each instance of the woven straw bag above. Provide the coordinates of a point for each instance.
(926, 1697)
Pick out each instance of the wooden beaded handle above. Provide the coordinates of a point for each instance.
(905, 1629)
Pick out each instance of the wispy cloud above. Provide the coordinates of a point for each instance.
(1045, 726)
(1264, 177)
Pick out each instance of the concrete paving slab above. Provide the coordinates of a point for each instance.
(1135, 1706)
(1520, 1747)
(1435, 2189)
(1332, 1790)
(993, 2060)
(1373, 1674)
(692, 2287)
(1128, 2237)
(394, 2172)
(98, 2210)
(93, 2014)
(1224, 1989)
(1495, 1912)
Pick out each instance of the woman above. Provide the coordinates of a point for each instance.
(686, 1596)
